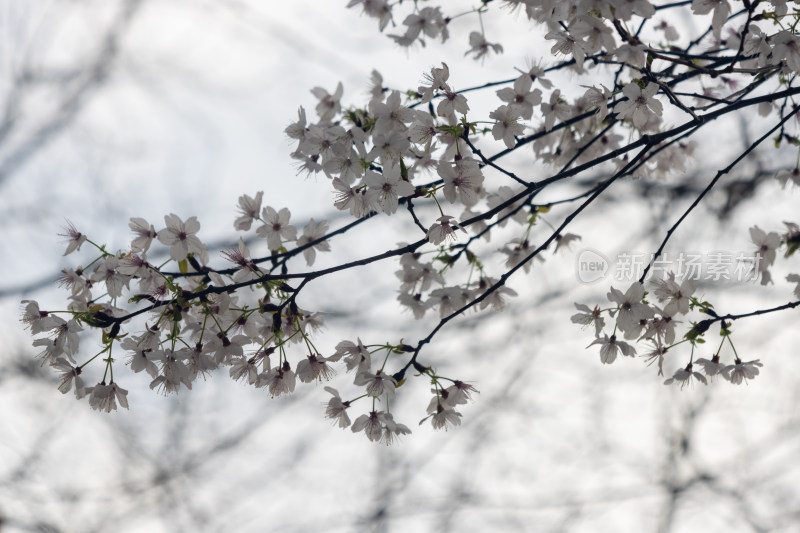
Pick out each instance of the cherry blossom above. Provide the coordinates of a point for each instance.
(329, 104)
(632, 313)
(145, 233)
(443, 229)
(250, 209)
(641, 107)
(588, 316)
(181, 237)
(521, 98)
(276, 227)
(387, 187)
(684, 376)
(740, 372)
(74, 238)
(312, 232)
(610, 347)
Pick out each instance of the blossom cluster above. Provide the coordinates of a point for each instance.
(196, 321)
(430, 158)
(638, 320)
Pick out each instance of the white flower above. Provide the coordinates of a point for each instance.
(451, 103)
(683, 376)
(244, 366)
(376, 85)
(436, 80)
(670, 33)
(388, 147)
(449, 300)
(428, 20)
(786, 175)
(740, 372)
(350, 198)
(495, 299)
(387, 187)
(295, 130)
(786, 46)
(173, 372)
(480, 46)
(391, 115)
(462, 180)
(139, 359)
(678, 297)
(624, 9)
(105, 397)
(507, 126)
(250, 208)
(358, 355)
(721, 10)
(276, 227)
(328, 105)
(509, 212)
(610, 347)
(458, 393)
(200, 361)
(443, 229)
(416, 275)
(180, 237)
(314, 367)
(521, 99)
(372, 424)
(392, 429)
(445, 418)
(145, 233)
(563, 242)
(74, 238)
(73, 280)
(114, 280)
(795, 278)
(279, 380)
(656, 354)
(632, 314)
(553, 109)
(641, 106)
(67, 336)
(240, 256)
(593, 33)
(662, 327)
(589, 316)
(712, 367)
(414, 303)
(595, 98)
(134, 265)
(51, 352)
(536, 73)
(632, 54)
(766, 244)
(337, 409)
(567, 44)
(377, 384)
(313, 231)
(38, 320)
(69, 374)
(379, 9)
